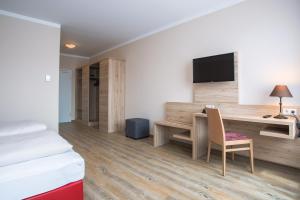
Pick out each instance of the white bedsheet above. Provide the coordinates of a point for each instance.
(25, 147)
(20, 127)
(37, 176)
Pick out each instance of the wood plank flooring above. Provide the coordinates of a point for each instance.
(118, 167)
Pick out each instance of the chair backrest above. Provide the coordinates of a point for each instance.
(216, 131)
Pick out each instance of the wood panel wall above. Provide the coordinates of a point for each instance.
(181, 112)
(218, 92)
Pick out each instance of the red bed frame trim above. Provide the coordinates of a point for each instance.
(72, 191)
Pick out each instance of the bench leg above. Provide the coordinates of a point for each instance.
(161, 137)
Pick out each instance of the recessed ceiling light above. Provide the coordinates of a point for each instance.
(70, 45)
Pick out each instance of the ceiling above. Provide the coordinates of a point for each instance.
(99, 25)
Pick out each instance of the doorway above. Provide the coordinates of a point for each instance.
(94, 95)
(65, 95)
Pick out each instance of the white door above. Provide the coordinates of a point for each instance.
(65, 95)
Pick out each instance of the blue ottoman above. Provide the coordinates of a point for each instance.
(137, 128)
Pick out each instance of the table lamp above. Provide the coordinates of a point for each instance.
(281, 91)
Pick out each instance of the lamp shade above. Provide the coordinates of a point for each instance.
(281, 91)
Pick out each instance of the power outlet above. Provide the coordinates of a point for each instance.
(290, 111)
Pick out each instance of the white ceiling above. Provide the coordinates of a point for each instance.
(98, 25)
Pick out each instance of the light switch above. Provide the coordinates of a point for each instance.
(48, 78)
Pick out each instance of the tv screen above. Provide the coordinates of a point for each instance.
(214, 68)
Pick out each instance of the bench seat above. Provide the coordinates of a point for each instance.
(175, 124)
(180, 125)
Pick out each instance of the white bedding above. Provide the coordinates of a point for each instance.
(25, 147)
(37, 176)
(20, 127)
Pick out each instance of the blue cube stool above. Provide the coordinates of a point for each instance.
(137, 128)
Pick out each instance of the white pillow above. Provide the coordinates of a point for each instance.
(20, 127)
(24, 147)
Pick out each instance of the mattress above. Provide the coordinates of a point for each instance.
(26, 179)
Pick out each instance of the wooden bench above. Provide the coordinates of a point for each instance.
(180, 118)
(161, 137)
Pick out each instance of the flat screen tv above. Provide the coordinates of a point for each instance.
(216, 68)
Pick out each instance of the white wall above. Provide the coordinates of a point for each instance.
(264, 33)
(28, 51)
(72, 63)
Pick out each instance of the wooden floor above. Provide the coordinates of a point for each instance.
(121, 168)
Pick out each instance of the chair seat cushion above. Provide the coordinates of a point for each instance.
(231, 136)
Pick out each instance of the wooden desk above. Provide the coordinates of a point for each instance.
(269, 136)
(290, 124)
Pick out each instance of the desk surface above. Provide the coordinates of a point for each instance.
(290, 133)
(256, 119)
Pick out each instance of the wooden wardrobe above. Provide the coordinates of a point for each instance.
(112, 95)
(109, 112)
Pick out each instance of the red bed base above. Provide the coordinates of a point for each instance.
(72, 191)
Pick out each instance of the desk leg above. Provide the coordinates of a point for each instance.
(201, 136)
(161, 137)
(194, 133)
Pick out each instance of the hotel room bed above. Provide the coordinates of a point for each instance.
(38, 165)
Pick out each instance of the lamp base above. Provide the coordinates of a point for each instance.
(280, 116)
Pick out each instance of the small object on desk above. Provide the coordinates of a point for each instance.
(207, 106)
(267, 116)
(281, 91)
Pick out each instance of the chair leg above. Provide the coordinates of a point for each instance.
(251, 157)
(232, 153)
(208, 151)
(224, 160)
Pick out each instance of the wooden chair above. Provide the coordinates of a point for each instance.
(234, 141)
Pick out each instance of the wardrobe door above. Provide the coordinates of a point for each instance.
(112, 95)
(103, 95)
(117, 89)
(85, 92)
